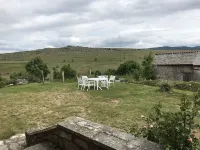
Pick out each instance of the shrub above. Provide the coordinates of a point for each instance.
(110, 72)
(165, 87)
(148, 70)
(3, 82)
(68, 71)
(190, 86)
(148, 82)
(174, 130)
(56, 74)
(128, 68)
(36, 66)
(97, 73)
(24, 75)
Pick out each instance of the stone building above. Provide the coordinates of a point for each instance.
(183, 66)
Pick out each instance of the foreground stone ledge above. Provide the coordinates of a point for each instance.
(79, 134)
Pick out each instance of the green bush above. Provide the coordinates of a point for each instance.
(36, 66)
(189, 86)
(97, 73)
(68, 71)
(56, 74)
(24, 75)
(148, 68)
(165, 87)
(110, 72)
(3, 82)
(149, 82)
(129, 68)
(174, 130)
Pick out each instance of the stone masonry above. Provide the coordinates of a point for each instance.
(77, 134)
(183, 66)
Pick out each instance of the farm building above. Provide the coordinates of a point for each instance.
(183, 66)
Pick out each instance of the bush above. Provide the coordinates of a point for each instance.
(148, 70)
(3, 82)
(149, 82)
(128, 68)
(68, 71)
(24, 75)
(36, 66)
(190, 86)
(56, 74)
(110, 72)
(97, 73)
(165, 87)
(174, 130)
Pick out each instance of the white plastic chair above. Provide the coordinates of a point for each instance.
(103, 81)
(80, 83)
(87, 83)
(111, 80)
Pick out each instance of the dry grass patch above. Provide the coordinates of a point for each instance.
(39, 109)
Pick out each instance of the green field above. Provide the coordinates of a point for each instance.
(41, 105)
(80, 58)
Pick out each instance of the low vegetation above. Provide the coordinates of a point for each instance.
(38, 105)
(175, 130)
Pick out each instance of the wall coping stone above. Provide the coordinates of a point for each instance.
(105, 137)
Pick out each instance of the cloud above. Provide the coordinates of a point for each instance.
(28, 25)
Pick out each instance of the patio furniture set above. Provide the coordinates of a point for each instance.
(97, 83)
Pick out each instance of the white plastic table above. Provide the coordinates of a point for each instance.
(96, 81)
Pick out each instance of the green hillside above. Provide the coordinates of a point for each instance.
(81, 59)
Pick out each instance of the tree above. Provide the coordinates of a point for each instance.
(97, 73)
(68, 71)
(110, 72)
(56, 73)
(128, 68)
(148, 70)
(36, 66)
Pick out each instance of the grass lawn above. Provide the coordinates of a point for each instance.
(40, 105)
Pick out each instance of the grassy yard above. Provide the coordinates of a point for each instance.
(40, 105)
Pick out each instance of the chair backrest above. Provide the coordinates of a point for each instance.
(79, 79)
(112, 78)
(103, 76)
(100, 76)
(84, 77)
(106, 76)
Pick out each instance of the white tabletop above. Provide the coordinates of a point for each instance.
(97, 79)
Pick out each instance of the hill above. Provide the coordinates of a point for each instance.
(80, 58)
(176, 48)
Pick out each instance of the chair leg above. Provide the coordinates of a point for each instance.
(88, 88)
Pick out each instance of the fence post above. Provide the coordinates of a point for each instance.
(42, 76)
(63, 76)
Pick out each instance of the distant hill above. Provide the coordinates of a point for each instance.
(176, 48)
(82, 59)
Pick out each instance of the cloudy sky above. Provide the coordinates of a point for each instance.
(33, 24)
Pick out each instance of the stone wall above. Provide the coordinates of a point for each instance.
(79, 134)
(173, 72)
(186, 57)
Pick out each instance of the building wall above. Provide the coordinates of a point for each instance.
(197, 73)
(192, 57)
(174, 72)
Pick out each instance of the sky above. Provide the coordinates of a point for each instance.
(35, 24)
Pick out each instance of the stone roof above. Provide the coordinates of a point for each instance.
(178, 58)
